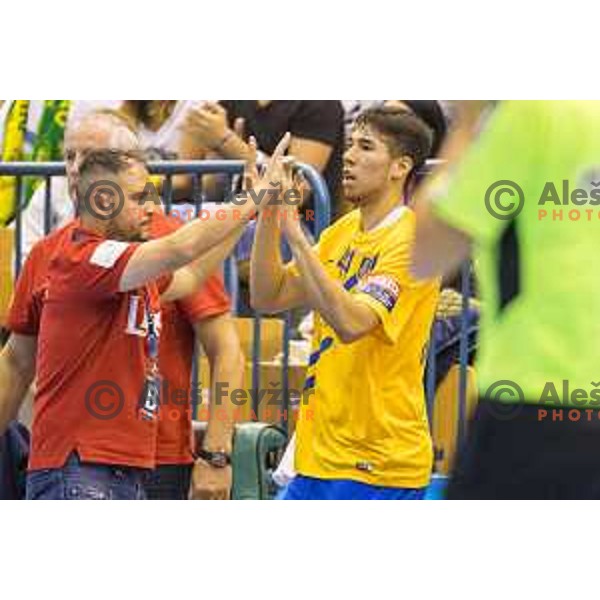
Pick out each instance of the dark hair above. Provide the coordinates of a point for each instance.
(431, 112)
(404, 132)
(107, 160)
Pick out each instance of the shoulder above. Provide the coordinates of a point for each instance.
(42, 250)
(348, 222)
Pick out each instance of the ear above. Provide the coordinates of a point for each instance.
(401, 167)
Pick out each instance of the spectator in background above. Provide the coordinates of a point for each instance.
(316, 126)
(34, 221)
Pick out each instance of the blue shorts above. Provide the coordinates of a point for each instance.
(311, 488)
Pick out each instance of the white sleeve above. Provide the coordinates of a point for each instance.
(61, 211)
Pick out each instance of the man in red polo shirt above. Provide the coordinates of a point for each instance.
(96, 414)
(203, 316)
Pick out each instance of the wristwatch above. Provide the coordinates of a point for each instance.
(219, 460)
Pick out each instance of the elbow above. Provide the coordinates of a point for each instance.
(262, 305)
(348, 335)
(262, 302)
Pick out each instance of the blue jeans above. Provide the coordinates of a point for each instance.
(169, 482)
(311, 488)
(76, 480)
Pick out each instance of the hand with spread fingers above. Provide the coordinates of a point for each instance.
(274, 177)
(294, 185)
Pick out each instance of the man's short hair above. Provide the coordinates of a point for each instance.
(404, 133)
(109, 161)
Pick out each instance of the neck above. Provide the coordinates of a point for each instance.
(95, 225)
(376, 209)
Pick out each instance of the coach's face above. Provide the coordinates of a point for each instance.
(134, 220)
(367, 165)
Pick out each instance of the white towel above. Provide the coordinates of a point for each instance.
(285, 471)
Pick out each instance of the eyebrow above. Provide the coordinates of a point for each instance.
(365, 137)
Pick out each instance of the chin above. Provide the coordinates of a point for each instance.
(354, 199)
(138, 236)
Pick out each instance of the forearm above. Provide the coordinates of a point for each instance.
(210, 262)
(234, 148)
(198, 238)
(226, 373)
(267, 272)
(344, 314)
(191, 242)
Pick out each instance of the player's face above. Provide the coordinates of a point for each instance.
(133, 222)
(367, 166)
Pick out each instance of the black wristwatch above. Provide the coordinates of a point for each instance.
(219, 460)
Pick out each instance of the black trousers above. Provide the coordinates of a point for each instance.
(525, 453)
(168, 482)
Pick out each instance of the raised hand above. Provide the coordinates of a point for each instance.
(251, 176)
(275, 176)
(208, 124)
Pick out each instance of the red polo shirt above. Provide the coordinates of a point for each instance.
(92, 350)
(176, 343)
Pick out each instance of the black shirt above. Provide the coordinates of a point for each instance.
(318, 120)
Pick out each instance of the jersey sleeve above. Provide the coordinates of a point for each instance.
(501, 156)
(97, 267)
(211, 300)
(390, 290)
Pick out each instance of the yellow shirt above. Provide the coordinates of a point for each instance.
(368, 419)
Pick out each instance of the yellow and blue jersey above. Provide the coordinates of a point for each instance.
(368, 419)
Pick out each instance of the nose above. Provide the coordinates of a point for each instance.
(349, 156)
(149, 208)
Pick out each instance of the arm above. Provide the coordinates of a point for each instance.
(17, 371)
(451, 247)
(170, 253)
(350, 318)
(273, 287)
(313, 152)
(193, 240)
(219, 338)
(440, 248)
(190, 278)
(208, 127)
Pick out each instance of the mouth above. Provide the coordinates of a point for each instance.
(347, 176)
